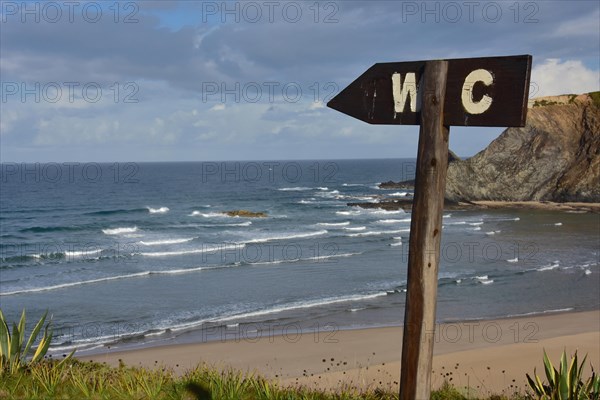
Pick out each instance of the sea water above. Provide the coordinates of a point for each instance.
(136, 254)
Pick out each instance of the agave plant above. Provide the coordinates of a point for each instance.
(566, 383)
(12, 353)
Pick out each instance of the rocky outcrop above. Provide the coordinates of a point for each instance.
(410, 184)
(555, 157)
(397, 185)
(245, 214)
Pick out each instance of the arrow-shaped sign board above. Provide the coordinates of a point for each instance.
(434, 95)
(491, 91)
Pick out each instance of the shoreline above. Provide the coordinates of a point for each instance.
(540, 205)
(391, 204)
(468, 351)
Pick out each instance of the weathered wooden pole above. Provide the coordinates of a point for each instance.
(425, 235)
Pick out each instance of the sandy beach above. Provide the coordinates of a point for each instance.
(490, 356)
(541, 205)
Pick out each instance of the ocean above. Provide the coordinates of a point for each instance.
(128, 255)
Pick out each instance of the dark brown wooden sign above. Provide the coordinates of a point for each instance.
(434, 94)
(491, 91)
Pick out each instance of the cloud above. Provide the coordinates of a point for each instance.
(555, 77)
(208, 89)
(586, 25)
(218, 107)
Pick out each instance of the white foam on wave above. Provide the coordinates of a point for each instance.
(112, 278)
(294, 189)
(331, 193)
(558, 224)
(491, 233)
(315, 258)
(309, 201)
(549, 267)
(356, 228)
(353, 184)
(587, 272)
(203, 249)
(166, 241)
(513, 260)
(334, 224)
(476, 223)
(120, 231)
(377, 233)
(209, 215)
(399, 194)
(299, 305)
(483, 279)
(287, 236)
(71, 284)
(386, 212)
(370, 199)
(160, 210)
(392, 221)
(80, 253)
(558, 310)
(354, 212)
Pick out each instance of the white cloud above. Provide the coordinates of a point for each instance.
(554, 77)
(218, 107)
(582, 26)
(315, 105)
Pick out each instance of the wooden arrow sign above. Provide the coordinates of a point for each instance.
(491, 91)
(434, 95)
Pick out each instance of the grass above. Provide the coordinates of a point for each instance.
(78, 380)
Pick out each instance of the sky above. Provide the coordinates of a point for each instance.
(110, 81)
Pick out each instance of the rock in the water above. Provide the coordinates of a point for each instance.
(555, 157)
(245, 214)
(397, 185)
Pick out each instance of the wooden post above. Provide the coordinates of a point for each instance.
(425, 235)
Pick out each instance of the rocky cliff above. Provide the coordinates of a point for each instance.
(555, 157)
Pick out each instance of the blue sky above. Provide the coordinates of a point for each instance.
(215, 80)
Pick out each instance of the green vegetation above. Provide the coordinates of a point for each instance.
(566, 383)
(80, 380)
(44, 378)
(13, 356)
(595, 96)
(543, 103)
